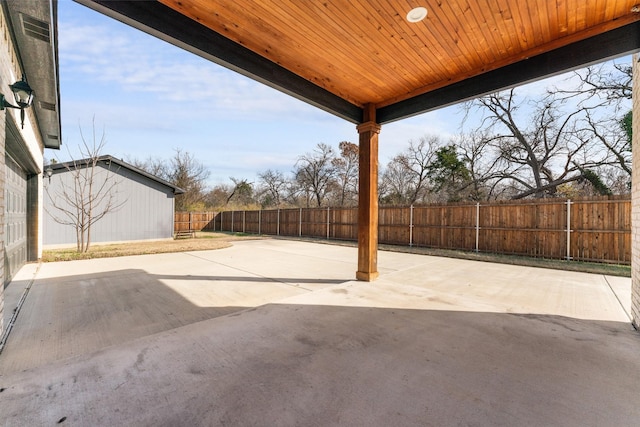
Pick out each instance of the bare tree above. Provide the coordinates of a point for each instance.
(217, 197)
(346, 170)
(542, 146)
(394, 185)
(614, 134)
(484, 163)
(273, 187)
(405, 179)
(153, 165)
(91, 194)
(315, 173)
(607, 89)
(183, 170)
(189, 174)
(606, 84)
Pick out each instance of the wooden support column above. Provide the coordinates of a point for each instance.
(368, 197)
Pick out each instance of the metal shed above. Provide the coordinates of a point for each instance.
(143, 203)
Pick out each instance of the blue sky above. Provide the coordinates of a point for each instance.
(150, 97)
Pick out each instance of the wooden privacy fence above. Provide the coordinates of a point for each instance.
(196, 221)
(586, 230)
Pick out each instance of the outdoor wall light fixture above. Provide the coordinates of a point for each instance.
(23, 95)
(48, 171)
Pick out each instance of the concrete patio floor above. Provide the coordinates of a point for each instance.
(276, 332)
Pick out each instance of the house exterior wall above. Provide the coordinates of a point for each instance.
(146, 210)
(26, 147)
(2, 208)
(635, 197)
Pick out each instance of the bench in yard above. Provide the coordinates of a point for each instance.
(185, 234)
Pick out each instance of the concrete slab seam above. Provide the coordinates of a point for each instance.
(248, 272)
(618, 299)
(16, 311)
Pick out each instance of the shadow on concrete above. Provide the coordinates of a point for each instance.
(68, 316)
(124, 348)
(284, 364)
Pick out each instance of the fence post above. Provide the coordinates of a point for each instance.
(260, 221)
(411, 226)
(190, 225)
(477, 225)
(300, 223)
(568, 229)
(278, 226)
(232, 221)
(328, 209)
(244, 221)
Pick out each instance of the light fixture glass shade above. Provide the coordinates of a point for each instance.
(417, 14)
(22, 93)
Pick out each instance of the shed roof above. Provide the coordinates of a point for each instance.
(61, 167)
(342, 55)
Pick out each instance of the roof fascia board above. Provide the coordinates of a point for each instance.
(107, 159)
(166, 24)
(122, 163)
(55, 144)
(38, 61)
(615, 43)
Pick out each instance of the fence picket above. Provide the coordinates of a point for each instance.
(597, 229)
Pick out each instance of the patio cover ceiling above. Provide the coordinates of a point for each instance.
(347, 55)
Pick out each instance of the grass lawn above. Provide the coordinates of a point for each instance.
(556, 264)
(204, 241)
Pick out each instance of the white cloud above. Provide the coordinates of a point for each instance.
(109, 53)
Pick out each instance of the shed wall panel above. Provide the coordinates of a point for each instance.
(145, 212)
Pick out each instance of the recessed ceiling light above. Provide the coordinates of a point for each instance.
(417, 14)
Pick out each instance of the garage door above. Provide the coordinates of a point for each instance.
(15, 229)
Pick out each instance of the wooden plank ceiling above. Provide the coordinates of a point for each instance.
(344, 54)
